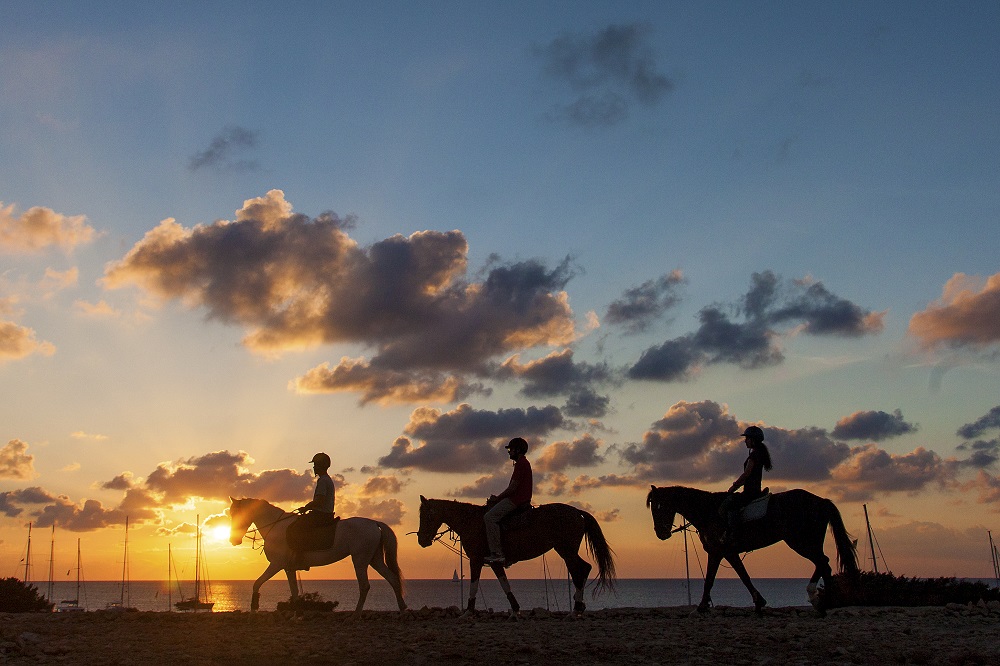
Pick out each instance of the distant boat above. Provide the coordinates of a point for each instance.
(73, 605)
(125, 593)
(196, 603)
(455, 578)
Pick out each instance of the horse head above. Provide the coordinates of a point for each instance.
(239, 520)
(430, 522)
(663, 512)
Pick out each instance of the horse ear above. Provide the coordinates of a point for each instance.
(652, 487)
(231, 500)
(422, 499)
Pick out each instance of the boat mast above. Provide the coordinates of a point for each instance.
(52, 552)
(27, 558)
(170, 605)
(197, 558)
(871, 539)
(996, 557)
(125, 568)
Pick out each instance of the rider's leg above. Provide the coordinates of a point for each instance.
(492, 521)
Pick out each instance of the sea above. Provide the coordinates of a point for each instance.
(553, 595)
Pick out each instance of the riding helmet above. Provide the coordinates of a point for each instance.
(517, 445)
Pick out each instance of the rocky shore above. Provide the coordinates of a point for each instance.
(952, 634)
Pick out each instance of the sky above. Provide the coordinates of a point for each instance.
(238, 234)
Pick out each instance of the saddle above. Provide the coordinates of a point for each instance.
(313, 531)
(755, 509)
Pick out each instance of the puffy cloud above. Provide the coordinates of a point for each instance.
(558, 374)
(872, 425)
(466, 439)
(389, 511)
(988, 487)
(33, 495)
(605, 71)
(559, 456)
(91, 515)
(484, 486)
(697, 442)
(222, 474)
(16, 462)
(40, 228)
(123, 481)
(966, 315)
(986, 422)
(640, 306)
(871, 470)
(386, 386)
(296, 282)
(982, 453)
(769, 304)
(381, 485)
(17, 342)
(221, 153)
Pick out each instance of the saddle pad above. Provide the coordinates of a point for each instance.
(756, 509)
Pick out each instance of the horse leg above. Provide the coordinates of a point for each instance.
(714, 559)
(501, 575)
(263, 578)
(383, 570)
(758, 600)
(475, 571)
(579, 570)
(361, 571)
(823, 570)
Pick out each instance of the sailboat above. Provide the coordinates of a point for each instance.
(125, 597)
(196, 603)
(73, 605)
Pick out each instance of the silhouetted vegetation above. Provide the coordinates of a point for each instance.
(309, 601)
(885, 589)
(18, 597)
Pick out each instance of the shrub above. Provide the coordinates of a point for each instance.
(19, 597)
(885, 589)
(309, 601)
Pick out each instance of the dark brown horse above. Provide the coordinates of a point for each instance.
(550, 526)
(797, 517)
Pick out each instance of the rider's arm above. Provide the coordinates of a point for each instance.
(751, 464)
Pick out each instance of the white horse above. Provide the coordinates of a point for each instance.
(370, 543)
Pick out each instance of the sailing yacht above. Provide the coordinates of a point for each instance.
(125, 593)
(196, 602)
(73, 605)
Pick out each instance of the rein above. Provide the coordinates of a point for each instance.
(260, 528)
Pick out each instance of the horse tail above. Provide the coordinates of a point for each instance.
(847, 556)
(390, 551)
(599, 549)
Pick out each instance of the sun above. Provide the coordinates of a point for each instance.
(217, 533)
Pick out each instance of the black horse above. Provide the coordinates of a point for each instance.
(797, 517)
(558, 527)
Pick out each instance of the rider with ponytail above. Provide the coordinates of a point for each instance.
(758, 460)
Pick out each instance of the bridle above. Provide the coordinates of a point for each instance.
(261, 531)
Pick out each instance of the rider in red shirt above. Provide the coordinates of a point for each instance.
(517, 494)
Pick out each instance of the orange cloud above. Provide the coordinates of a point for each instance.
(40, 228)
(16, 462)
(19, 341)
(967, 314)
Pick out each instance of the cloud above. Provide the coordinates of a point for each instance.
(697, 442)
(986, 422)
(771, 308)
(466, 439)
(872, 425)
(871, 470)
(16, 462)
(983, 453)
(79, 434)
(559, 456)
(296, 282)
(987, 485)
(966, 315)
(558, 374)
(33, 495)
(100, 310)
(224, 474)
(606, 72)
(123, 481)
(385, 386)
(40, 228)
(389, 511)
(17, 342)
(381, 485)
(221, 153)
(640, 306)
(484, 486)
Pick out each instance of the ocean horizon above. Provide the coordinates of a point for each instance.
(553, 595)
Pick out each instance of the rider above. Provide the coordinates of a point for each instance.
(517, 494)
(318, 513)
(758, 460)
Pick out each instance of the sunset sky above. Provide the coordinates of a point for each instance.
(402, 233)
